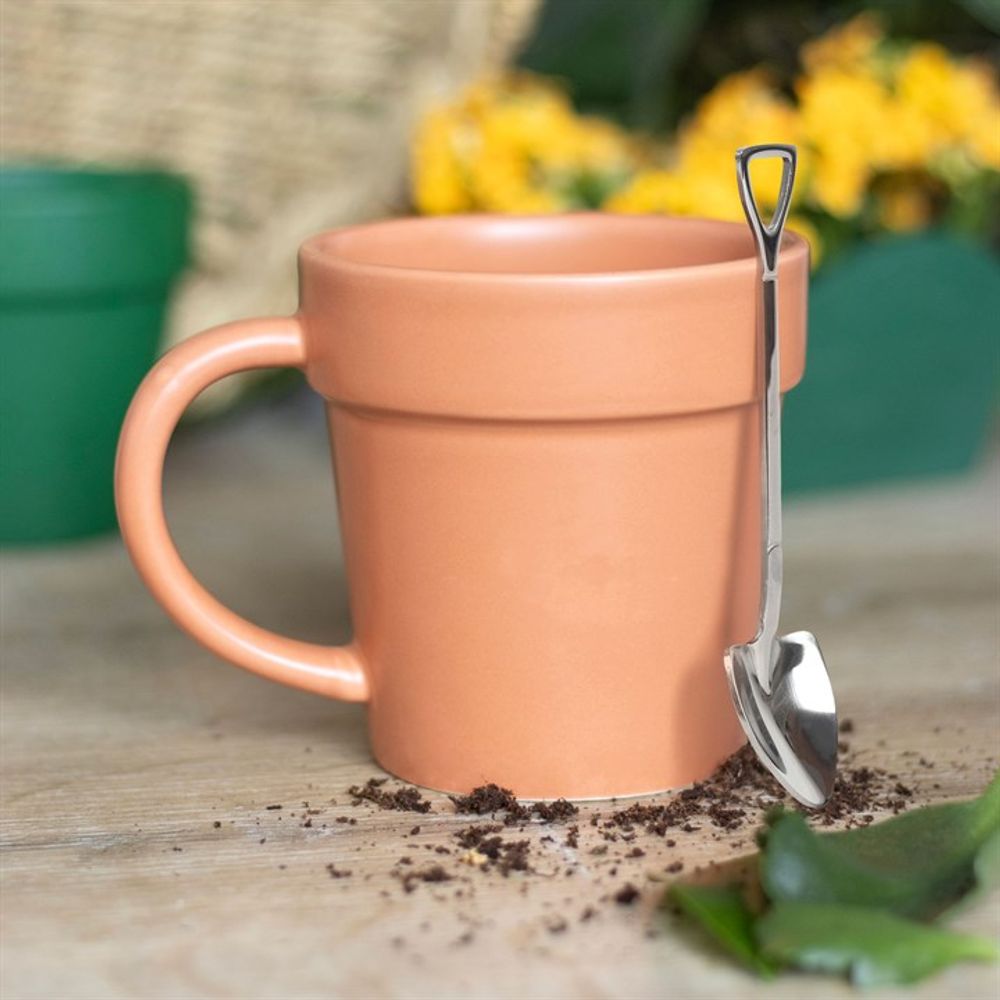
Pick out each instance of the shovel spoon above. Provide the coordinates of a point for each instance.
(779, 683)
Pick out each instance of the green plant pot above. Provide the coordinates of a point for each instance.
(87, 261)
(902, 365)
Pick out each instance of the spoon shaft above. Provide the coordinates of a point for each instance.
(771, 569)
(768, 239)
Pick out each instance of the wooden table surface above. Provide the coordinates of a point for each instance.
(140, 859)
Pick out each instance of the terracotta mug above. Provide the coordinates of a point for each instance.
(545, 440)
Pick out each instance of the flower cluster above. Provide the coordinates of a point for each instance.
(515, 144)
(887, 133)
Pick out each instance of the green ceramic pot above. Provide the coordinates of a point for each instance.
(87, 261)
(902, 365)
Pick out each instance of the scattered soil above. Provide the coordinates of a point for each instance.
(627, 895)
(730, 800)
(435, 873)
(487, 850)
(741, 787)
(492, 799)
(619, 845)
(858, 792)
(405, 799)
(555, 812)
(507, 855)
(488, 800)
(473, 836)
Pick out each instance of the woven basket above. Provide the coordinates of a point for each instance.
(290, 117)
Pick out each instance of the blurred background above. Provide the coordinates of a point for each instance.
(162, 162)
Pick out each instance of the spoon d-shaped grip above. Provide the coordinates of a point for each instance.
(767, 234)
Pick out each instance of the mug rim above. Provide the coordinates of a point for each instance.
(325, 249)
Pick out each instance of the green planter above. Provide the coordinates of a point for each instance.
(902, 365)
(87, 260)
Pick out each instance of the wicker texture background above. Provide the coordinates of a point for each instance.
(290, 115)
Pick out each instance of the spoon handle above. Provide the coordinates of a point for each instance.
(767, 236)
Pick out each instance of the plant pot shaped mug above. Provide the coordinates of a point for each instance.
(88, 259)
(545, 435)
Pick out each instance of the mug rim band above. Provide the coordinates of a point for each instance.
(327, 250)
(557, 346)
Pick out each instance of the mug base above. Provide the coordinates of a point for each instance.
(526, 796)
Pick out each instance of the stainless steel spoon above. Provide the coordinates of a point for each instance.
(779, 683)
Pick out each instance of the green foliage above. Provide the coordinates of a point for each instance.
(872, 947)
(858, 902)
(619, 58)
(723, 913)
(914, 865)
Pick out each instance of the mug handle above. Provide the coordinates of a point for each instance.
(168, 389)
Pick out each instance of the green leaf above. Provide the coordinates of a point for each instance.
(986, 872)
(844, 902)
(874, 948)
(914, 865)
(722, 912)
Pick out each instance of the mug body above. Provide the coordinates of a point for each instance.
(546, 443)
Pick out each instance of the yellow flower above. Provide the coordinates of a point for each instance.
(437, 177)
(982, 126)
(839, 182)
(928, 79)
(651, 191)
(584, 144)
(845, 118)
(742, 110)
(837, 104)
(959, 101)
(867, 119)
(527, 118)
(844, 46)
(910, 139)
(513, 144)
(715, 195)
(499, 177)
